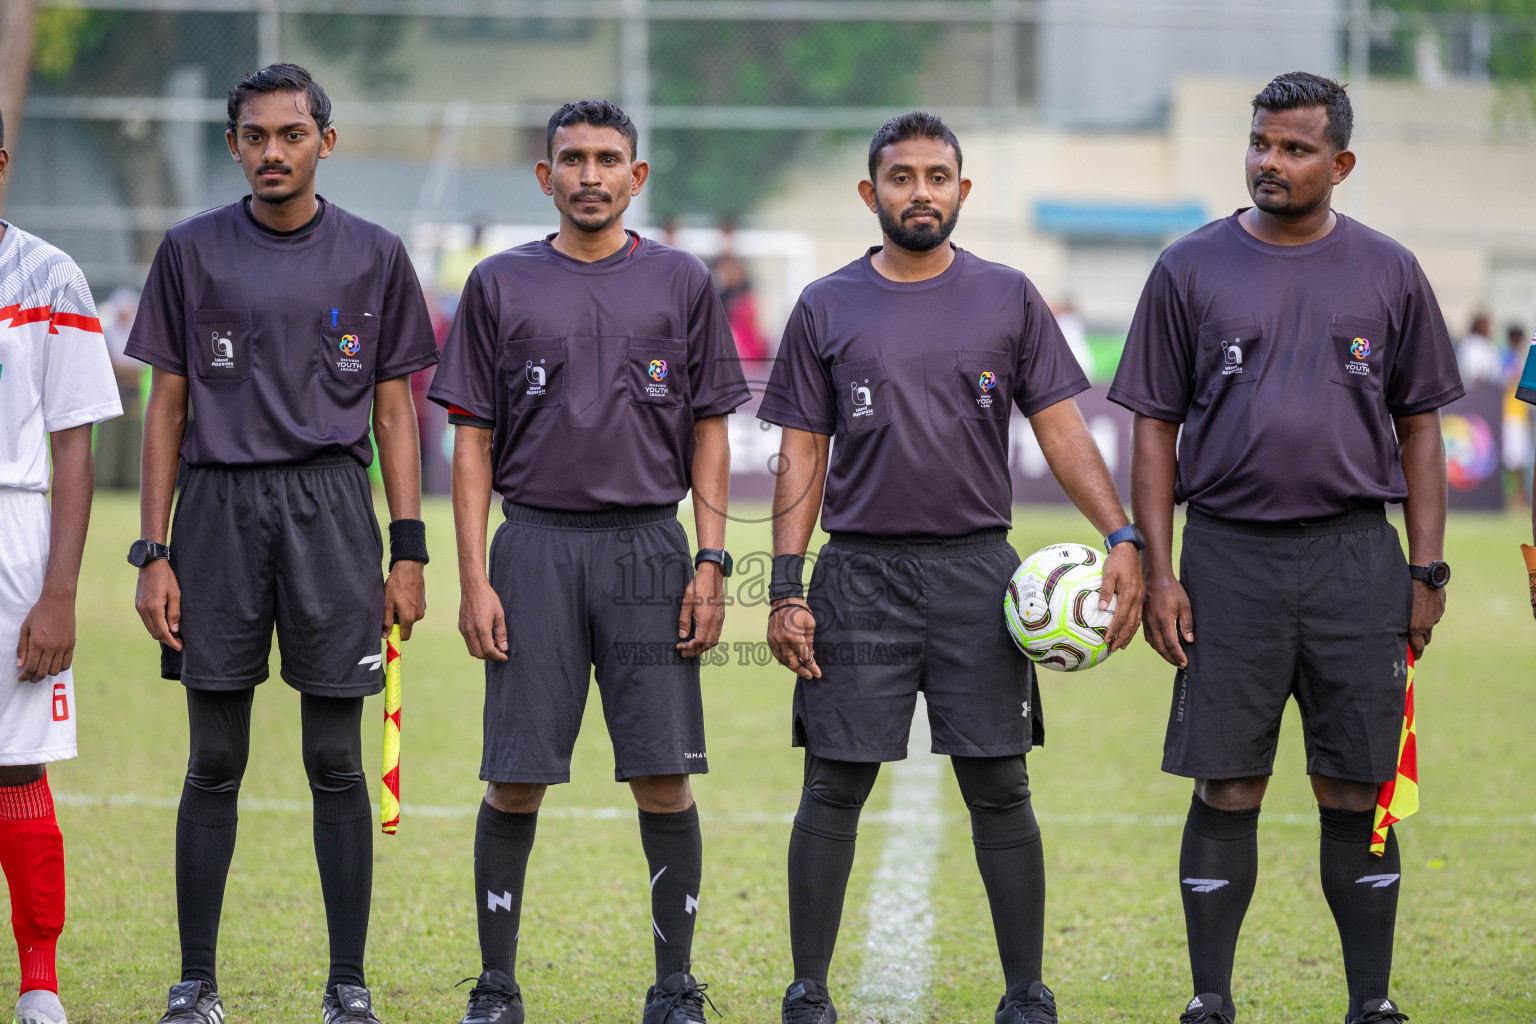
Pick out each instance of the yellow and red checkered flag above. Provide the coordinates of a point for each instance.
(1400, 797)
(389, 794)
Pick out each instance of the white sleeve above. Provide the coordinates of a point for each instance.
(78, 384)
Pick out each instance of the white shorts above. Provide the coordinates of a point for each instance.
(37, 720)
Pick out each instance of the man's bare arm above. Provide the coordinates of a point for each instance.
(158, 597)
(797, 495)
(703, 611)
(1154, 462)
(46, 645)
(1422, 451)
(399, 445)
(482, 621)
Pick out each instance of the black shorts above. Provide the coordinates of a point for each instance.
(1317, 610)
(895, 615)
(585, 589)
(296, 546)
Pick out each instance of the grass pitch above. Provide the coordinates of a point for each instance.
(1466, 946)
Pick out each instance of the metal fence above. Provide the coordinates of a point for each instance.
(443, 104)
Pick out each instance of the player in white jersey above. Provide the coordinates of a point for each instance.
(55, 382)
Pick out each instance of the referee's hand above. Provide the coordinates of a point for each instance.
(792, 637)
(158, 600)
(1122, 584)
(1168, 620)
(482, 621)
(703, 613)
(405, 598)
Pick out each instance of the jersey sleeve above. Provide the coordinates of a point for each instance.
(1047, 371)
(78, 384)
(1526, 389)
(408, 343)
(1157, 370)
(1424, 375)
(714, 368)
(465, 381)
(159, 334)
(800, 392)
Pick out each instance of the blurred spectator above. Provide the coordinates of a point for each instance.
(736, 294)
(1478, 356)
(453, 266)
(1519, 438)
(118, 441)
(1076, 333)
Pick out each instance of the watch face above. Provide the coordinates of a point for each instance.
(1439, 574)
(138, 551)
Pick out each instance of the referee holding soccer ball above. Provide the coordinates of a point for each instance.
(912, 357)
(1305, 358)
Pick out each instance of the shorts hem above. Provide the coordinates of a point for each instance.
(852, 754)
(535, 778)
(1349, 774)
(697, 766)
(1003, 750)
(367, 689)
(48, 756)
(1241, 772)
(222, 685)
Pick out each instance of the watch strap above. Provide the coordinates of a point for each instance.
(719, 556)
(1128, 532)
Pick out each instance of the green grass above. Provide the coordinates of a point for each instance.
(1115, 948)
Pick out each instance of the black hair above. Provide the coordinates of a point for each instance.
(1296, 89)
(280, 78)
(914, 124)
(597, 113)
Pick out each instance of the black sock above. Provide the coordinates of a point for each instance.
(1218, 866)
(503, 841)
(344, 855)
(1012, 864)
(821, 848)
(205, 842)
(674, 850)
(1361, 890)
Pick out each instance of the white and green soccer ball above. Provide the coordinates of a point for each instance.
(1052, 608)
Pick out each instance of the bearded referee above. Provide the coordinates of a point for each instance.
(1306, 360)
(589, 375)
(913, 356)
(290, 325)
(55, 383)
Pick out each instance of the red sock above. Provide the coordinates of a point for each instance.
(32, 854)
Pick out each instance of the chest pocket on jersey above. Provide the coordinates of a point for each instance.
(349, 348)
(864, 395)
(1231, 352)
(656, 373)
(985, 384)
(221, 344)
(533, 372)
(1357, 347)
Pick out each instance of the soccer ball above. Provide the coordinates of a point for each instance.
(1052, 608)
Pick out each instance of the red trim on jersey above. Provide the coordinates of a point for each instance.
(19, 316)
(459, 410)
(84, 323)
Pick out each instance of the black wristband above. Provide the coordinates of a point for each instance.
(786, 578)
(407, 541)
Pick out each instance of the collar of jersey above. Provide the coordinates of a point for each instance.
(881, 281)
(277, 243)
(1290, 252)
(596, 268)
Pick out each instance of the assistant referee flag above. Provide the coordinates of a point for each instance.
(1400, 797)
(389, 793)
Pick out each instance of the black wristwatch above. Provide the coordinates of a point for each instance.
(142, 552)
(1129, 532)
(719, 556)
(1437, 574)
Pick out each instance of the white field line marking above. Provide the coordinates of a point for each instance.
(894, 816)
(893, 985)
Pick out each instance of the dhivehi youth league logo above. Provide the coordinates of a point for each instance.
(1360, 348)
(350, 344)
(658, 370)
(987, 381)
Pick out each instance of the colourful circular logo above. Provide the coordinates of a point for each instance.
(1360, 348)
(350, 344)
(658, 370)
(987, 381)
(1470, 454)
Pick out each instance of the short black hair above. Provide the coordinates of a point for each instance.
(597, 113)
(914, 124)
(1296, 89)
(280, 78)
